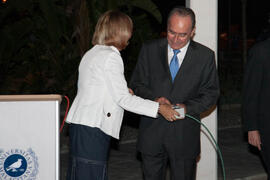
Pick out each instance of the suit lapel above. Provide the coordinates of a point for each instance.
(187, 59)
(164, 58)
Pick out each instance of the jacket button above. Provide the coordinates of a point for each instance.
(108, 114)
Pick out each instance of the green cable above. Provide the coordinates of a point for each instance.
(213, 139)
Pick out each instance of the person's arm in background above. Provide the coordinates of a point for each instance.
(251, 90)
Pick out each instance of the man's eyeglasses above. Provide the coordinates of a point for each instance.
(177, 34)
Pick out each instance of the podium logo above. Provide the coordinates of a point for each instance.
(17, 164)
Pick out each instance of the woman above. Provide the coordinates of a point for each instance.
(97, 111)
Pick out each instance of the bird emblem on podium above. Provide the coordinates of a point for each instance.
(15, 166)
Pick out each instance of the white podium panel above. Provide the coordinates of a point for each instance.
(29, 137)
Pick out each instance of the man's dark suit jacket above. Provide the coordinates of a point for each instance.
(195, 85)
(256, 91)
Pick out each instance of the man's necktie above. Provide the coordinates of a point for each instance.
(174, 65)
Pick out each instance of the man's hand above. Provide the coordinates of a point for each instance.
(168, 112)
(130, 91)
(254, 139)
(163, 100)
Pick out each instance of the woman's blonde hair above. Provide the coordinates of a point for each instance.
(113, 28)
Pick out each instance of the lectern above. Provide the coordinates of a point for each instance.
(29, 137)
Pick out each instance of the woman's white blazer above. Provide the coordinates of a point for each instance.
(103, 94)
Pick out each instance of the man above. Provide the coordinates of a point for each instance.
(188, 78)
(256, 98)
